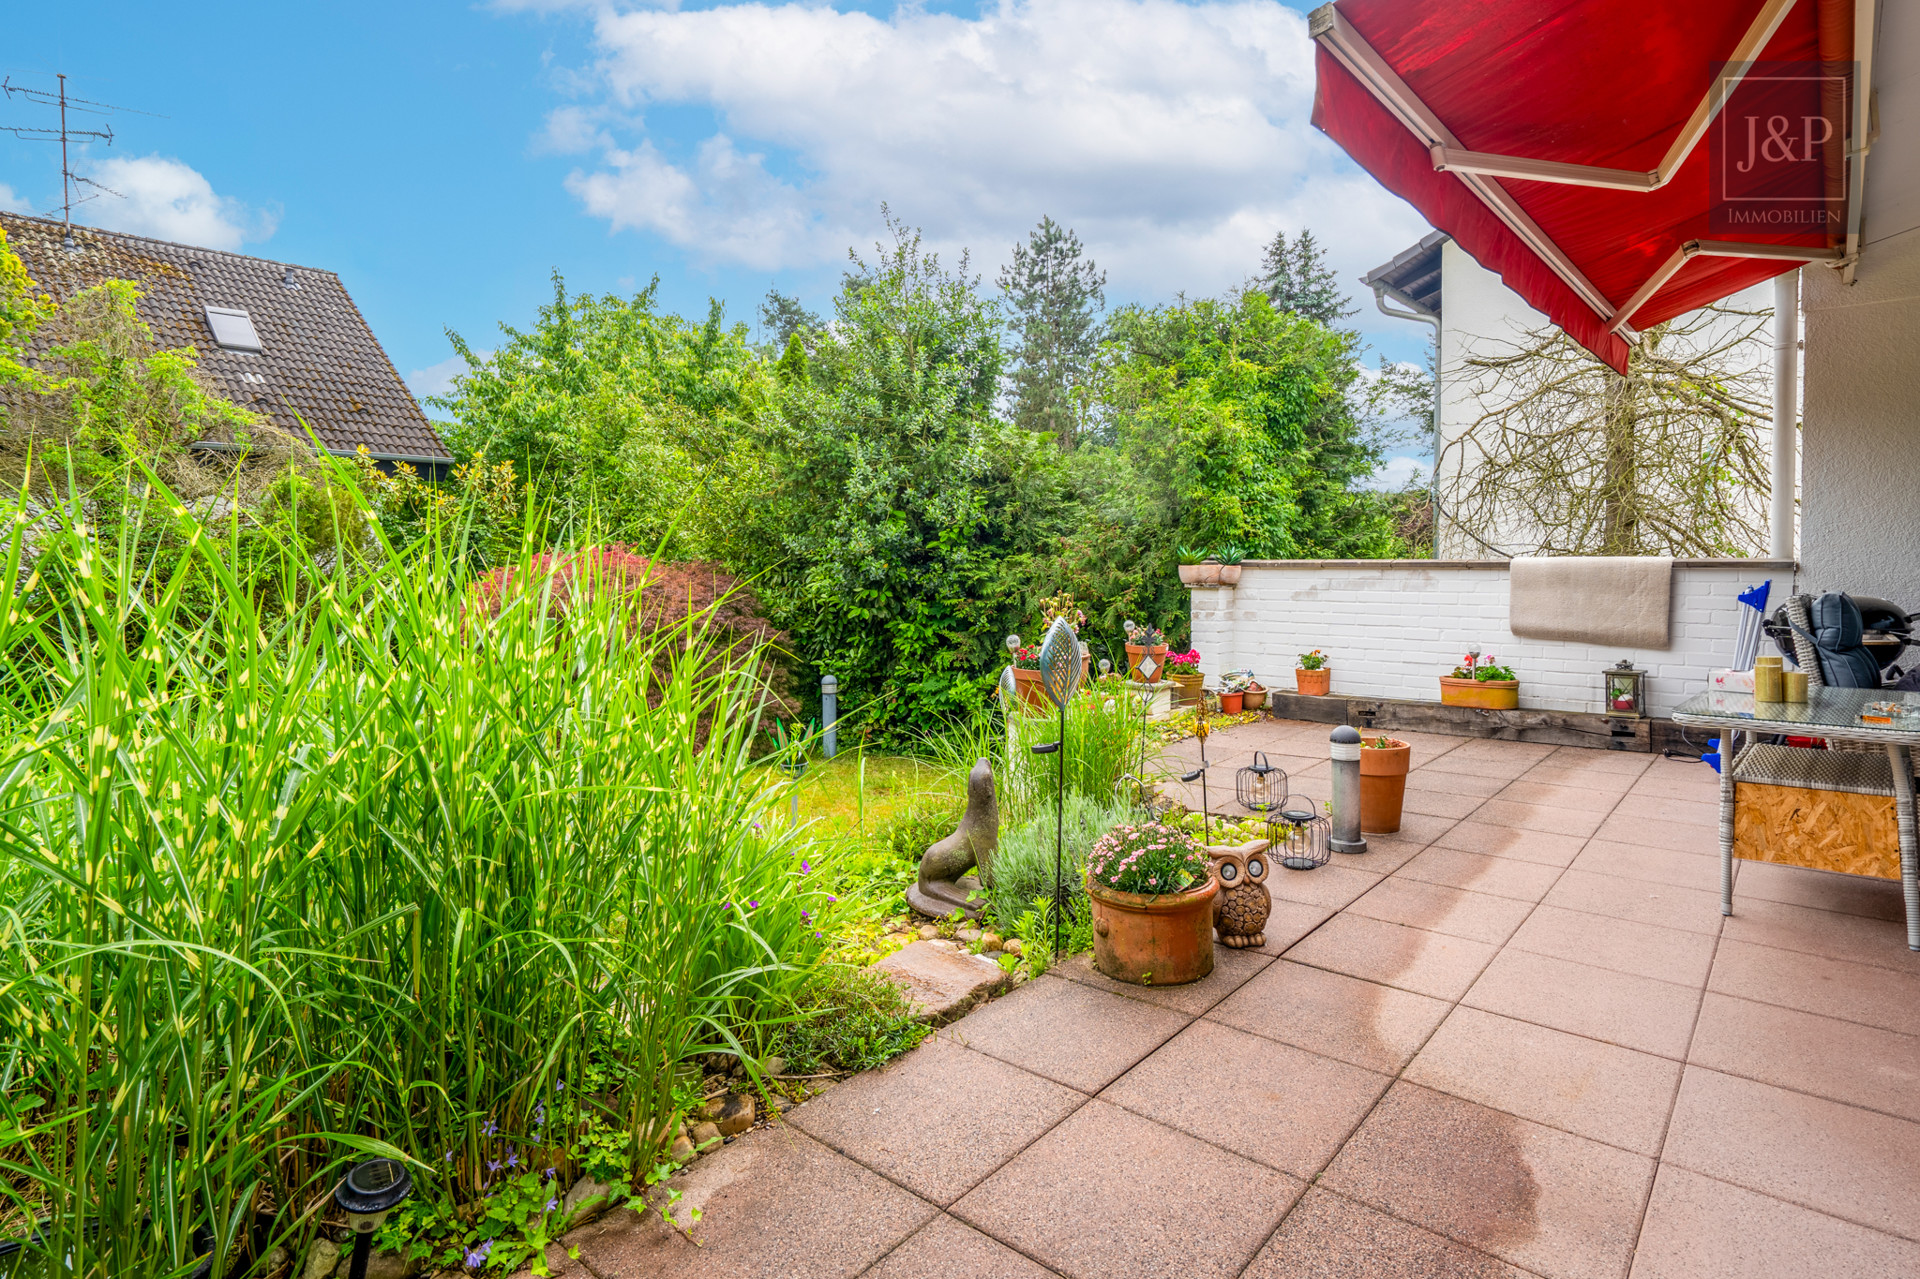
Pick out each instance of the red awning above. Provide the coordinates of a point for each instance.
(1570, 145)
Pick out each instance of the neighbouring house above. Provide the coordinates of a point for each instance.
(1474, 313)
(282, 340)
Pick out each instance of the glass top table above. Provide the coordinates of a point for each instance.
(1827, 712)
(1830, 713)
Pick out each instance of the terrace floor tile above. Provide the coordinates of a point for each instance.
(1660, 810)
(1679, 837)
(1500, 876)
(1355, 1021)
(1416, 828)
(1329, 1236)
(1699, 1228)
(1855, 938)
(1565, 1081)
(1288, 922)
(1563, 795)
(939, 1119)
(948, 1249)
(1385, 854)
(1838, 1060)
(1275, 1104)
(1231, 968)
(1490, 840)
(1562, 1206)
(1617, 1008)
(1586, 759)
(1429, 775)
(1645, 950)
(1837, 1159)
(1866, 993)
(1067, 1031)
(1439, 803)
(1550, 772)
(1821, 890)
(1454, 911)
(1656, 865)
(1331, 886)
(1427, 963)
(1085, 1200)
(1551, 818)
(1694, 910)
(747, 1226)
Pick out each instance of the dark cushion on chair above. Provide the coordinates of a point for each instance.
(1837, 630)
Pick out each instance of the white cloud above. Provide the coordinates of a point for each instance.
(437, 379)
(1173, 137)
(169, 200)
(1396, 473)
(13, 203)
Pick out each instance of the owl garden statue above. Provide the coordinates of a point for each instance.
(1240, 910)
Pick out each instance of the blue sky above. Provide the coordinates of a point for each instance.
(444, 159)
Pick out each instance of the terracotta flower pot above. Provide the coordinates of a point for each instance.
(1200, 574)
(1256, 698)
(1028, 682)
(1159, 655)
(1487, 694)
(1383, 784)
(1313, 683)
(1229, 575)
(1165, 940)
(1230, 702)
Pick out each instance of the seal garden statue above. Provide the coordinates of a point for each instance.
(944, 885)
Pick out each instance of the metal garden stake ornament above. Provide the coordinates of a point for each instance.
(1059, 677)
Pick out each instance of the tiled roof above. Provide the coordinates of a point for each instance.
(318, 359)
(1414, 274)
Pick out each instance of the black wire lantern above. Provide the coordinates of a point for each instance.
(1260, 786)
(1300, 837)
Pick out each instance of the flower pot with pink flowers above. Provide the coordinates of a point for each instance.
(1481, 682)
(1183, 671)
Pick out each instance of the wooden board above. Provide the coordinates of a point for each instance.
(1821, 829)
(1555, 728)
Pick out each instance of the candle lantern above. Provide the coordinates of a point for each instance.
(1622, 691)
(1260, 786)
(1300, 838)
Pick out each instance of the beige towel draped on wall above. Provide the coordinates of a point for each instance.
(1591, 599)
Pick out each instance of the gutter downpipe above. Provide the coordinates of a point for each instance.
(1786, 412)
(1380, 295)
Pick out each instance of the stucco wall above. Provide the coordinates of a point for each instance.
(1392, 627)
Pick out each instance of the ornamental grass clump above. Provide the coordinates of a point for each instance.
(1149, 859)
(349, 866)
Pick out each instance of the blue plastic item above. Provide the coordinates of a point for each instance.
(1712, 755)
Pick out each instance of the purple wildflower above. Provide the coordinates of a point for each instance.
(477, 1257)
(753, 905)
(553, 1203)
(489, 1129)
(493, 1165)
(832, 898)
(549, 1174)
(805, 869)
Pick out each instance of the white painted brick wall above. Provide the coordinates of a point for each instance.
(1392, 627)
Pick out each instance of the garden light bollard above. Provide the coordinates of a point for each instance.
(829, 712)
(1346, 792)
(366, 1194)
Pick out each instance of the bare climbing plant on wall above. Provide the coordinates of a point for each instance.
(1571, 458)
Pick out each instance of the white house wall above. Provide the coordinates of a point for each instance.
(1860, 444)
(1392, 627)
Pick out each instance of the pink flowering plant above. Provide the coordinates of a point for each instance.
(1150, 858)
(1189, 658)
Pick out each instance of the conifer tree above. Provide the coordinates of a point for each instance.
(1296, 276)
(1056, 298)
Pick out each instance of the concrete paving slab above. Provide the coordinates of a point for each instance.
(1573, 796)
(1095, 1199)
(1359, 1022)
(1488, 839)
(1565, 1081)
(1454, 911)
(1414, 959)
(1866, 993)
(745, 1193)
(1501, 876)
(1837, 1159)
(948, 1249)
(1699, 1228)
(1068, 1032)
(1839, 1060)
(1551, 818)
(938, 1120)
(1617, 1008)
(1823, 890)
(1655, 865)
(1681, 837)
(1328, 1236)
(1231, 968)
(1277, 1105)
(1694, 910)
(1854, 938)
(1645, 950)
(941, 980)
(1561, 1206)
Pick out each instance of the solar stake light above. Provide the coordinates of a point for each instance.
(368, 1192)
(1299, 837)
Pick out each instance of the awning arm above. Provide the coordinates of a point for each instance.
(1715, 249)
(1863, 33)
(1330, 27)
(1450, 157)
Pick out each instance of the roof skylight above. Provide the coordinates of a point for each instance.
(232, 329)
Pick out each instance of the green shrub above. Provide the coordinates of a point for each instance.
(1023, 864)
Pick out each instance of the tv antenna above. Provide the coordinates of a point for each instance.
(70, 182)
